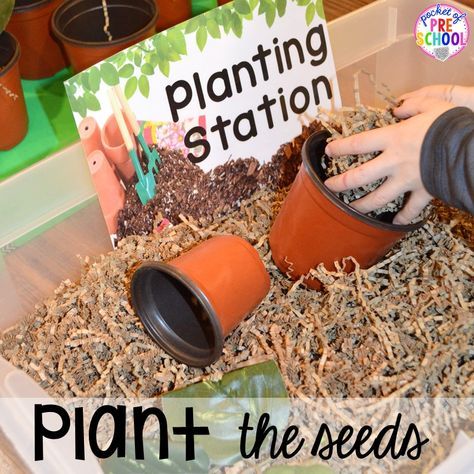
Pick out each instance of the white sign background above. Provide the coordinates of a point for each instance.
(223, 53)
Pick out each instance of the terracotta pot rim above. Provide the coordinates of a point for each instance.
(31, 6)
(329, 195)
(16, 54)
(170, 340)
(99, 44)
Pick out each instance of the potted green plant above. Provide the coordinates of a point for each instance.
(13, 116)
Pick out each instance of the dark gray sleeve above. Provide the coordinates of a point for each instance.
(447, 158)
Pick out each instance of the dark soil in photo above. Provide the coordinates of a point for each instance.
(184, 189)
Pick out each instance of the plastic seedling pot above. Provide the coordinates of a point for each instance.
(314, 226)
(190, 304)
(13, 115)
(79, 25)
(41, 53)
(172, 12)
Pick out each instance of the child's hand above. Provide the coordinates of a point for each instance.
(457, 95)
(399, 161)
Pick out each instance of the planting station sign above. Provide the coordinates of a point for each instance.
(232, 83)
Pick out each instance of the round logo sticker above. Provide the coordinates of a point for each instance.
(442, 31)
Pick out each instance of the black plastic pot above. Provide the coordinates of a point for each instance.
(190, 304)
(79, 25)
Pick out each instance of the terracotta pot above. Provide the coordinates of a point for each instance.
(115, 149)
(191, 303)
(314, 226)
(172, 12)
(41, 53)
(109, 190)
(13, 115)
(90, 135)
(79, 24)
(223, 2)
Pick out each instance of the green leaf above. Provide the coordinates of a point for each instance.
(320, 9)
(137, 58)
(91, 102)
(242, 7)
(131, 87)
(162, 46)
(192, 25)
(109, 74)
(281, 7)
(85, 81)
(307, 468)
(227, 20)
(201, 37)
(94, 79)
(173, 56)
(253, 4)
(6, 8)
(220, 405)
(148, 69)
(154, 59)
(236, 25)
(81, 106)
(270, 15)
(144, 86)
(119, 60)
(303, 3)
(152, 463)
(213, 29)
(126, 71)
(164, 66)
(177, 41)
(310, 12)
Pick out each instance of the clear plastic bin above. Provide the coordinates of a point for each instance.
(49, 213)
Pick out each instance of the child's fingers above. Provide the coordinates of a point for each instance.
(415, 204)
(418, 105)
(412, 106)
(366, 173)
(365, 142)
(385, 193)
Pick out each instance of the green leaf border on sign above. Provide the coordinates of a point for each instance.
(134, 65)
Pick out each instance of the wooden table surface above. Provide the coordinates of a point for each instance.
(30, 278)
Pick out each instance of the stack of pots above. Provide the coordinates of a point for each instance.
(41, 53)
(38, 27)
(13, 116)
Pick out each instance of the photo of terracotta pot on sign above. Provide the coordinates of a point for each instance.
(93, 30)
(191, 303)
(41, 53)
(314, 226)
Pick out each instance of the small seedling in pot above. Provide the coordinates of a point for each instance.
(107, 20)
